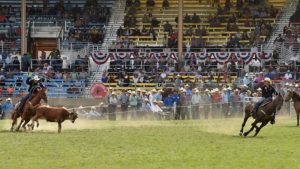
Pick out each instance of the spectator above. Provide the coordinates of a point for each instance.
(58, 75)
(195, 100)
(187, 18)
(124, 100)
(288, 76)
(19, 82)
(195, 18)
(7, 108)
(150, 3)
(10, 90)
(279, 39)
(165, 4)
(112, 105)
(168, 27)
(133, 102)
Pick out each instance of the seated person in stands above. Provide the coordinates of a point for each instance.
(150, 3)
(19, 82)
(155, 22)
(83, 75)
(67, 76)
(187, 18)
(58, 75)
(128, 32)
(165, 4)
(279, 39)
(104, 78)
(136, 32)
(78, 61)
(195, 18)
(144, 32)
(129, 3)
(137, 3)
(74, 76)
(131, 11)
(189, 31)
(168, 27)
(126, 81)
(120, 31)
(146, 18)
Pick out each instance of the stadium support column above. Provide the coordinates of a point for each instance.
(23, 27)
(180, 33)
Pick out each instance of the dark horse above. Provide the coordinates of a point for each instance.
(26, 114)
(265, 113)
(296, 99)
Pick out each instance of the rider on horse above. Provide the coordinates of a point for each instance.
(267, 93)
(33, 83)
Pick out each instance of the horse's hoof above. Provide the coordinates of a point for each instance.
(241, 133)
(245, 134)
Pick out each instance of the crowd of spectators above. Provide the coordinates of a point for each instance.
(250, 11)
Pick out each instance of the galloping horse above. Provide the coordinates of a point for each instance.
(296, 99)
(265, 113)
(26, 114)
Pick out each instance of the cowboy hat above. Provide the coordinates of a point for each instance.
(113, 93)
(206, 90)
(36, 77)
(296, 85)
(259, 89)
(229, 88)
(8, 99)
(153, 90)
(267, 80)
(138, 90)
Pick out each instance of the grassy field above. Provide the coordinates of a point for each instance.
(91, 144)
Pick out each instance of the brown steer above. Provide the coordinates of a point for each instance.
(52, 114)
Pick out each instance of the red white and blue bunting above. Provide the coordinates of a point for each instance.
(220, 57)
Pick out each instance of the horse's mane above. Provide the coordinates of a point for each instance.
(296, 96)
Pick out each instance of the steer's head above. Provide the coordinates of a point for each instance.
(73, 116)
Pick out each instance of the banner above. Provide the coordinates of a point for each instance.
(220, 57)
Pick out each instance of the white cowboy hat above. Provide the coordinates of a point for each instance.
(113, 93)
(8, 99)
(36, 77)
(153, 90)
(138, 90)
(287, 84)
(206, 90)
(296, 85)
(229, 88)
(267, 80)
(93, 108)
(259, 89)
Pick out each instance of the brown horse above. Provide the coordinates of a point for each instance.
(52, 114)
(26, 114)
(265, 113)
(296, 99)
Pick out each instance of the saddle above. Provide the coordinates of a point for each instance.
(265, 102)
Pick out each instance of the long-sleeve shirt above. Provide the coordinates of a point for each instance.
(133, 100)
(124, 99)
(195, 99)
(7, 107)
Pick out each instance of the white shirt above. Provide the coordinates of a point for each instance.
(195, 99)
(288, 76)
